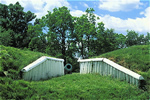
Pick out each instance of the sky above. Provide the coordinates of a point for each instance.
(121, 15)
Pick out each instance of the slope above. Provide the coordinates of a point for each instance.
(12, 60)
(72, 86)
(135, 58)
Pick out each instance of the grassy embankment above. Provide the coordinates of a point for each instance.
(73, 86)
(135, 58)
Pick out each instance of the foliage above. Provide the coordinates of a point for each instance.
(133, 38)
(70, 87)
(73, 86)
(135, 58)
(12, 17)
(18, 89)
(38, 38)
(121, 41)
(12, 60)
(60, 23)
(106, 40)
(61, 35)
(84, 30)
(5, 37)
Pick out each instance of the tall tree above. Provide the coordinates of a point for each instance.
(60, 23)
(106, 40)
(121, 41)
(147, 38)
(85, 30)
(132, 38)
(14, 18)
(81, 28)
(36, 36)
(5, 36)
(99, 41)
(90, 34)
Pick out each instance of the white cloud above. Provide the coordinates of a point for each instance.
(7, 2)
(76, 7)
(141, 25)
(77, 13)
(119, 5)
(39, 7)
(49, 5)
(146, 12)
(85, 5)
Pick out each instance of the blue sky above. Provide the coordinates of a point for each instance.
(120, 15)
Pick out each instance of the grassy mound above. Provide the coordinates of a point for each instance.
(12, 60)
(135, 58)
(70, 87)
(73, 86)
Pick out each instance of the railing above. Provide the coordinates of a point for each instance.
(43, 68)
(104, 66)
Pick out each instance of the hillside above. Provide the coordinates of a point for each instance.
(12, 60)
(135, 58)
(72, 86)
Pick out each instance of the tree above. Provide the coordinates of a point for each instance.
(144, 40)
(80, 30)
(12, 17)
(37, 37)
(90, 34)
(99, 42)
(110, 41)
(141, 39)
(5, 37)
(132, 38)
(121, 41)
(147, 38)
(60, 23)
(84, 28)
(106, 40)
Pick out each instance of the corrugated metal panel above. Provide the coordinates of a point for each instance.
(43, 68)
(104, 66)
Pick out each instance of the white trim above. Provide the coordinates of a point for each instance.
(123, 69)
(39, 61)
(87, 60)
(115, 65)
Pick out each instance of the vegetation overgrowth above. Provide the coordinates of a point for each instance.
(12, 60)
(62, 35)
(70, 87)
(135, 58)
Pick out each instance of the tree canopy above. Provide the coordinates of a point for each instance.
(12, 17)
(62, 35)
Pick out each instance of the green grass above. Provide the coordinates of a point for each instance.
(135, 58)
(71, 87)
(12, 60)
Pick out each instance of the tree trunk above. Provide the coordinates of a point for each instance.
(82, 49)
(88, 45)
(63, 48)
